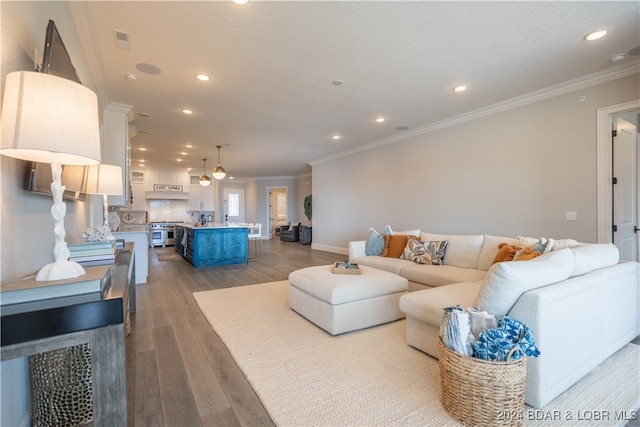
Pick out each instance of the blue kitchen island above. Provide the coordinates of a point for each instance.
(213, 244)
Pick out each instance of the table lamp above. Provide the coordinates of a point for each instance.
(54, 120)
(106, 180)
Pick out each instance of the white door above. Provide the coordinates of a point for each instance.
(233, 205)
(625, 189)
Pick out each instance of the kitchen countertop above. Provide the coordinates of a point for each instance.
(140, 228)
(197, 226)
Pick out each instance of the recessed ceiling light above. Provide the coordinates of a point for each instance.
(184, 153)
(178, 160)
(460, 88)
(189, 146)
(379, 119)
(335, 137)
(337, 82)
(141, 160)
(240, 1)
(142, 149)
(131, 77)
(230, 145)
(144, 114)
(203, 77)
(187, 111)
(596, 35)
(618, 57)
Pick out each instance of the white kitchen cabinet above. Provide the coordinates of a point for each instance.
(201, 198)
(138, 193)
(116, 147)
(139, 235)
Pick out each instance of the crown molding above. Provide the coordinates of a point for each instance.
(583, 82)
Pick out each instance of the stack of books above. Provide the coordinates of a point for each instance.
(93, 253)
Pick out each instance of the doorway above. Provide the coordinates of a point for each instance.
(277, 209)
(233, 205)
(617, 175)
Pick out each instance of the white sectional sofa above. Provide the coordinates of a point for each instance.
(581, 302)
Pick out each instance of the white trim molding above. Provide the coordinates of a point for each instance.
(579, 83)
(604, 172)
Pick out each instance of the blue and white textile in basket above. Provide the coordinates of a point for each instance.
(495, 344)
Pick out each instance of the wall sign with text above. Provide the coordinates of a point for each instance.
(167, 187)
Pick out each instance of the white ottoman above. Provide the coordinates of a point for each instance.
(341, 303)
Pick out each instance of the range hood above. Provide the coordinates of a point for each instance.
(167, 195)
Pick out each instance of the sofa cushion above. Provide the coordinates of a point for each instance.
(592, 256)
(394, 245)
(424, 252)
(462, 250)
(490, 249)
(427, 305)
(392, 265)
(375, 241)
(440, 275)
(506, 281)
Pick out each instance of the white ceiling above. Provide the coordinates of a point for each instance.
(273, 64)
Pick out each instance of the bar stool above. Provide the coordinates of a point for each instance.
(255, 234)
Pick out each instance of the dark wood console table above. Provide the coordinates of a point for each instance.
(97, 319)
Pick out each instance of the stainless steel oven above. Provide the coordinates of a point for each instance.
(157, 235)
(162, 233)
(170, 239)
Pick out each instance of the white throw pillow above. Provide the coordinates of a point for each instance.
(490, 249)
(506, 281)
(592, 256)
(462, 250)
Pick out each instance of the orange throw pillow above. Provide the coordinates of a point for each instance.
(394, 244)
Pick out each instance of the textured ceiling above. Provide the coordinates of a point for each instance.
(273, 64)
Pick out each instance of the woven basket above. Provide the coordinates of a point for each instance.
(479, 392)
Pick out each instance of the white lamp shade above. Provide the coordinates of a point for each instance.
(49, 119)
(219, 172)
(104, 179)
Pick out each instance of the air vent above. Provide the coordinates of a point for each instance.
(122, 39)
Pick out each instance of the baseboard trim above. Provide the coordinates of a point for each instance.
(329, 248)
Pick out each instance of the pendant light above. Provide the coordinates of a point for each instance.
(205, 181)
(219, 172)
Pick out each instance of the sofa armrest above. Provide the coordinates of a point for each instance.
(357, 248)
(577, 324)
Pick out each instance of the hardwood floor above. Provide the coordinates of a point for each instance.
(179, 373)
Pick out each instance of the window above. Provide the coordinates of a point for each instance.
(281, 205)
(234, 204)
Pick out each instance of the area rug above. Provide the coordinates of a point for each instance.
(169, 257)
(306, 377)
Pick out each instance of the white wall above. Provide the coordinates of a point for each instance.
(512, 173)
(260, 188)
(26, 225)
(305, 188)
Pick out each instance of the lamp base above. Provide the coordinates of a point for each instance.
(59, 270)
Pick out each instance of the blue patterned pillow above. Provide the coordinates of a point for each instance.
(375, 241)
(424, 252)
